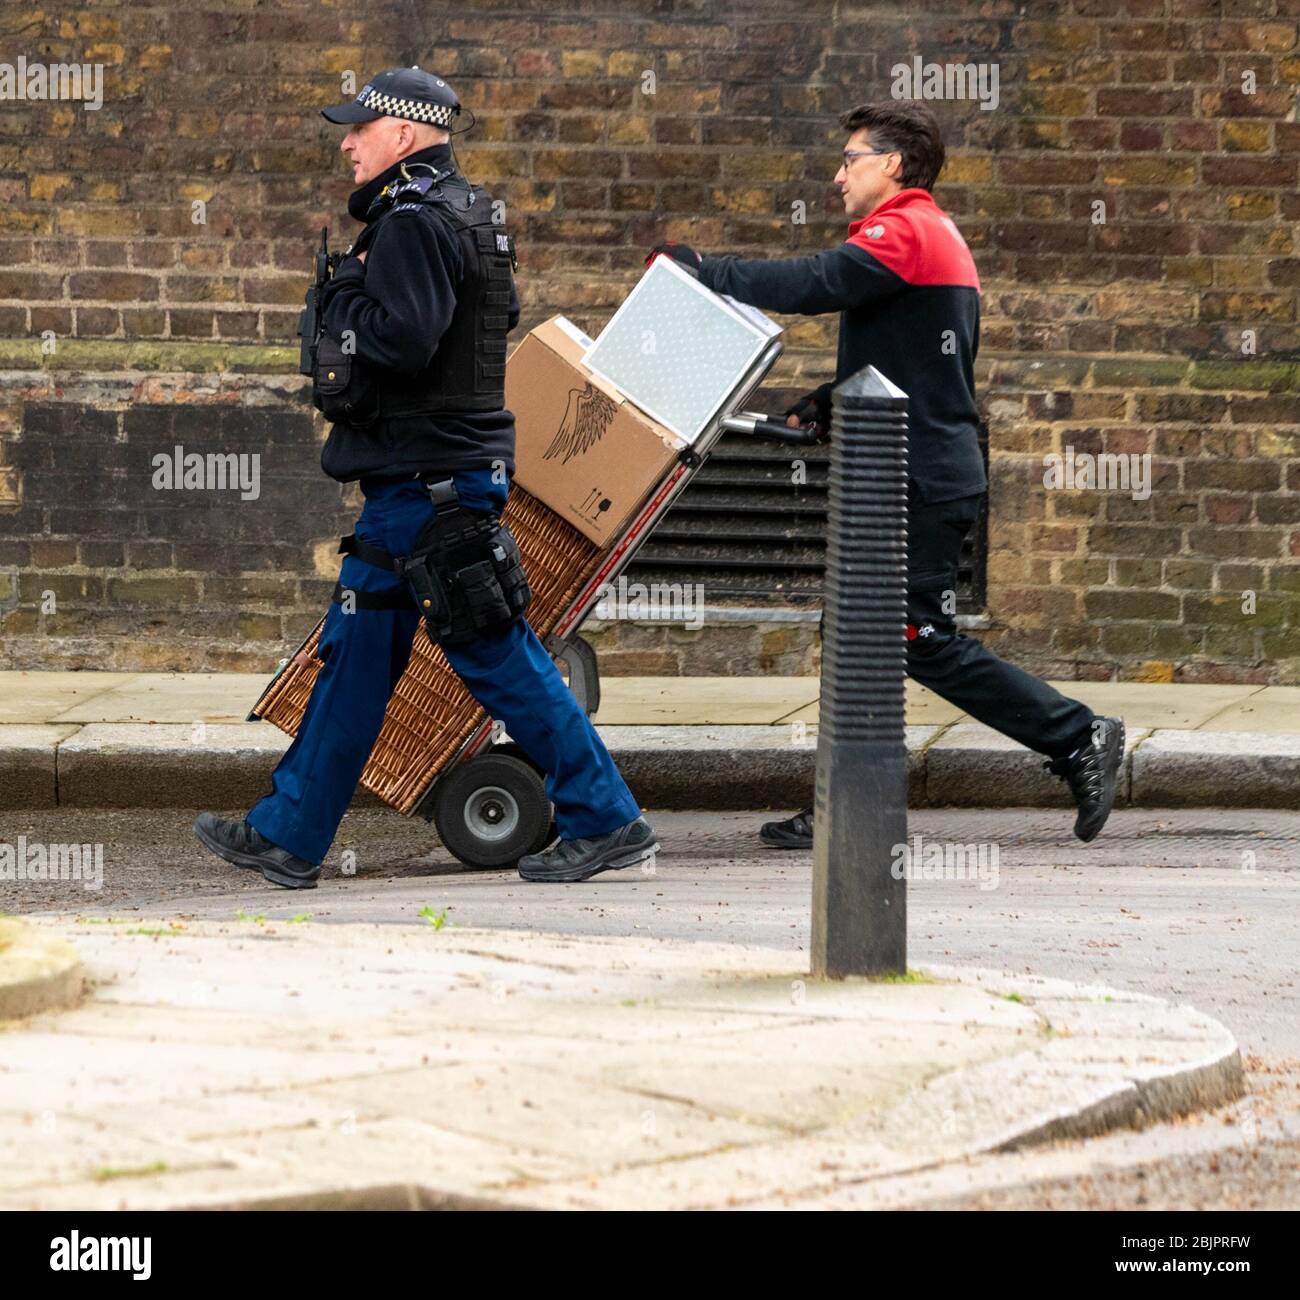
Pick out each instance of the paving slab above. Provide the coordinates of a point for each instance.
(924, 708)
(1272, 710)
(401, 1065)
(1146, 705)
(702, 701)
(172, 697)
(33, 697)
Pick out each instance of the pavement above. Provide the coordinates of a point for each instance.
(285, 1063)
(90, 739)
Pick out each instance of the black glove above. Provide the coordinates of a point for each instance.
(683, 254)
(815, 408)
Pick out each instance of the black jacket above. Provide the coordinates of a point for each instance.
(908, 293)
(398, 303)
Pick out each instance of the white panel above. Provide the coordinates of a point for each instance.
(678, 350)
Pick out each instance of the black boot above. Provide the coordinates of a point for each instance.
(242, 846)
(1091, 773)
(795, 833)
(572, 860)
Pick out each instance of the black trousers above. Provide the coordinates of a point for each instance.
(959, 669)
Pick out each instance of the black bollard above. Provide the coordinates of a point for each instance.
(859, 920)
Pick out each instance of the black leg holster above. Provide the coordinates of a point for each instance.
(465, 573)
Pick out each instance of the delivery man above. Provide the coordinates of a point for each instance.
(417, 400)
(907, 292)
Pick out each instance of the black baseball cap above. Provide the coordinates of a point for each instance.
(400, 92)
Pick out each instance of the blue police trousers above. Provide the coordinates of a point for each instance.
(364, 654)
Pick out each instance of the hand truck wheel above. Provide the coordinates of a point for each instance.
(492, 810)
(515, 751)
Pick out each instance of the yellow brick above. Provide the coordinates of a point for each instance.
(341, 58)
(583, 64)
(1274, 37)
(31, 223)
(1044, 70)
(1150, 171)
(1251, 207)
(967, 169)
(1248, 137)
(44, 187)
(61, 121)
(627, 63)
(530, 198)
(1154, 670)
(630, 130)
(1054, 35)
(1277, 446)
(94, 221)
(755, 201)
(88, 26)
(763, 166)
(1057, 101)
(1238, 273)
(154, 56)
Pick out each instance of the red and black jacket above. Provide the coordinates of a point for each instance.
(909, 295)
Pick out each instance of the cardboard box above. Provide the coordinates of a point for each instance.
(582, 448)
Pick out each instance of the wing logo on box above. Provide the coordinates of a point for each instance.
(586, 417)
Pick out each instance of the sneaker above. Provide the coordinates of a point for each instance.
(795, 833)
(242, 846)
(1091, 772)
(580, 859)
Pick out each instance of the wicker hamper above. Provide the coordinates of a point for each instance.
(431, 714)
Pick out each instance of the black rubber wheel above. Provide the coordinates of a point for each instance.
(492, 810)
(549, 835)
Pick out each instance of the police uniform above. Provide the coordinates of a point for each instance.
(418, 410)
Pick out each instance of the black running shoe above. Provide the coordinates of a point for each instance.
(572, 860)
(1091, 772)
(795, 833)
(242, 846)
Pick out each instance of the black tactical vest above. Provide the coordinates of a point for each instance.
(468, 371)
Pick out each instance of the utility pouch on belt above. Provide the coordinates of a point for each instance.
(465, 573)
(467, 566)
(343, 387)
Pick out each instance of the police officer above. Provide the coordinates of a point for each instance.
(411, 366)
(908, 293)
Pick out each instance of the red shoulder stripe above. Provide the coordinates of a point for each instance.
(919, 242)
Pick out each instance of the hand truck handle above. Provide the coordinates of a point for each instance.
(759, 426)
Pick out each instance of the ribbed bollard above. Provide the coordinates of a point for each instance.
(859, 921)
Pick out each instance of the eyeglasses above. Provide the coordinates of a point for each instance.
(851, 154)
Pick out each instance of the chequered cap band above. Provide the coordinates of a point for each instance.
(413, 110)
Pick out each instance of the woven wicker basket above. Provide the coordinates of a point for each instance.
(431, 714)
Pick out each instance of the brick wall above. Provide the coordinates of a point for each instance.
(153, 254)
